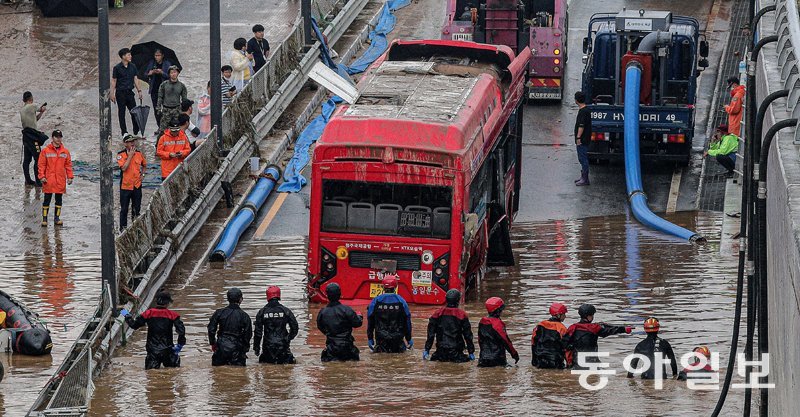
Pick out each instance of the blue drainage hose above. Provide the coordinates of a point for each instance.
(246, 215)
(633, 170)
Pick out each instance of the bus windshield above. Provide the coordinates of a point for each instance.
(410, 210)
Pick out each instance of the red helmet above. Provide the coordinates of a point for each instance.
(557, 308)
(273, 292)
(390, 281)
(493, 304)
(651, 325)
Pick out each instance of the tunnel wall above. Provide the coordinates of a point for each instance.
(783, 233)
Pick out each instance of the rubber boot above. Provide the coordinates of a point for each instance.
(584, 179)
(579, 178)
(45, 209)
(57, 220)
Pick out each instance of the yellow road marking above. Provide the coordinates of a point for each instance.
(273, 211)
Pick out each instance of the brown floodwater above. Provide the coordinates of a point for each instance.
(628, 272)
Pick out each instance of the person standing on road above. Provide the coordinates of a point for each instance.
(258, 47)
(651, 346)
(389, 320)
(723, 147)
(32, 138)
(271, 323)
(55, 172)
(547, 341)
(582, 336)
(123, 81)
(204, 112)
(493, 337)
(337, 321)
(451, 329)
(160, 322)
(734, 108)
(229, 332)
(132, 164)
(173, 147)
(187, 110)
(228, 89)
(157, 72)
(583, 137)
(242, 64)
(171, 94)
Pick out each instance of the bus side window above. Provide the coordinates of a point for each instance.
(478, 192)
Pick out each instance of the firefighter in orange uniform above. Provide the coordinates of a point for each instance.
(734, 109)
(132, 164)
(55, 172)
(173, 147)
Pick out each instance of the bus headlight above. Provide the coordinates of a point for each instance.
(556, 51)
(556, 69)
(427, 257)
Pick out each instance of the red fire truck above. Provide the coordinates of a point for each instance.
(421, 176)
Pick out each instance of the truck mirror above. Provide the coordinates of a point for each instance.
(704, 49)
(586, 45)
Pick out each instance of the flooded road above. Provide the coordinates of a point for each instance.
(628, 272)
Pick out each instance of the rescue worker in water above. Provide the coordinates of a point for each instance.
(651, 346)
(160, 323)
(389, 320)
(337, 321)
(450, 327)
(229, 332)
(548, 344)
(582, 336)
(271, 323)
(493, 338)
(697, 370)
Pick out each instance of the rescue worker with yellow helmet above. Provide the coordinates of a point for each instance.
(651, 346)
(695, 369)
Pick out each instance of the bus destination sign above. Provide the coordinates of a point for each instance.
(415, 222)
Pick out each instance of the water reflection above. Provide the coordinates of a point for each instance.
(628, 272)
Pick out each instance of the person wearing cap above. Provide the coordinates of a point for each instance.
(449, 327)
(723, 148)
(734, 108)
(173, 147)
(258, 47)
(229, 332)
(242, 64)
(132, 164)
(548, 345)
(55, 172)
(171, 94)
(493, 337)
(161, 323)
(157, 71)
(123, 81)
(278, 326)
(582, 336)
(697, 369)
(337, 321)
(651, 346)
(32, 138)
(389, 320)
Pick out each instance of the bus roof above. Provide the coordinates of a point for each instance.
(438, 91)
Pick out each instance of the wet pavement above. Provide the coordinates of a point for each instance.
(628, 272)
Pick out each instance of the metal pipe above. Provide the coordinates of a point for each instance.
(305, 11)
(215, 63)
(754, 19)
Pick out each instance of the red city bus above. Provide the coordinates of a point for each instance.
(421, 176)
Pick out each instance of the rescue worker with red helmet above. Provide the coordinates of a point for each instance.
(272, 322)
(548, 344)
(688, 373)
(651, 345)
(229, 332)
(582, 336)
(389, 320)
(450, 327)
(160, 322)
(493, 338)
(337, 321)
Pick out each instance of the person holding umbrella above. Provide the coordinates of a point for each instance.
(157, 71)
(171, 94)
(124, 79)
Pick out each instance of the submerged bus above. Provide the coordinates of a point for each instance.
(421, 176)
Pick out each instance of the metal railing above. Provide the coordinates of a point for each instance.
(787, 27)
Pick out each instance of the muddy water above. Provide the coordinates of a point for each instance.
(629, 273)
(63, 289)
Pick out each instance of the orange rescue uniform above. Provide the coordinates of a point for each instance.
(734, 110)
(131, 177)
(55, 165)
(168, 144)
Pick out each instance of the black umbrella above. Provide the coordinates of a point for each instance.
(140, 113)
(143, 53)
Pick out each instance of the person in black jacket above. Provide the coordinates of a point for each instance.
(582, 336)
(548, 344)
(493, 338)
(259, 47)
(649, 347)
(450, 327)
(272, 322)
(229, 332)
(160, 323)
(337, 321)
(389, 320)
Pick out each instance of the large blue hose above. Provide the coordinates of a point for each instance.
(633, 170)
(246, 215)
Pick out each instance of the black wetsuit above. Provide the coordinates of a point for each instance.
(494, 342)
(230, 329)
(337, 321)
(452, 331)
(582, 337)
(160, 322)
(648, 347)
(548, 345)
(272, 322)
(389, 323)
